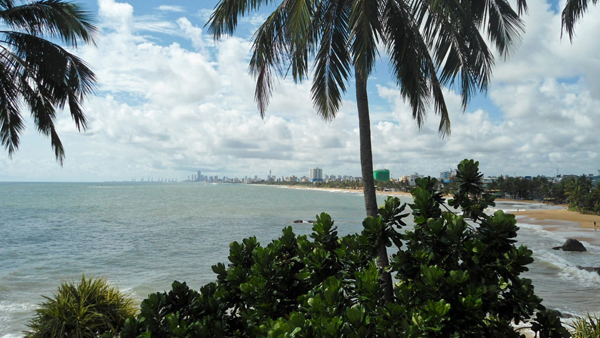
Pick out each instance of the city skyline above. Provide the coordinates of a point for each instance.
(171, 100)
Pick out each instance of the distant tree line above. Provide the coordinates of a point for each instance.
(579, 193)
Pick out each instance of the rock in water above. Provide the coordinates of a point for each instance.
(573, 245)
(589, 268)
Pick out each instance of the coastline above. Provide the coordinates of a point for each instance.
(355, 191)
(540, 217)
(550, 219)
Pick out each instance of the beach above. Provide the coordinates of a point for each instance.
(571, 223)
(584, 221)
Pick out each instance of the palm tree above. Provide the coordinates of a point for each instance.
(39, 73)
(429, 44)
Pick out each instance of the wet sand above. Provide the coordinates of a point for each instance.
(542, 216)
(571, 223)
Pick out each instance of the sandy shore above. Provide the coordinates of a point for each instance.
(584, 221)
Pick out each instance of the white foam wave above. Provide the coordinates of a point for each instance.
(567, 270)
(11, 307)
(8, 310)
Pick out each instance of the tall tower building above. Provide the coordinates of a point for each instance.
(199, 177)
(315, 175)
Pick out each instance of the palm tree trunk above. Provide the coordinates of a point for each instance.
(366, 154)
(366, 164)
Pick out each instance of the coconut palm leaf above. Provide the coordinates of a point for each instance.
(573, 11)
(44, 75)
(52, 18)
(332, 59)
(412, 65)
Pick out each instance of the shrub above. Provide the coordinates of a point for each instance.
(585, 327)
(457, 275)
(89, 308)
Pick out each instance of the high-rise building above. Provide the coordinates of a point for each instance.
(199, 177)
(315, 175)
(381, 175)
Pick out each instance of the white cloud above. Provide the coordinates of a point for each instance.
(192, 32)
(171, 8)
(165, 110)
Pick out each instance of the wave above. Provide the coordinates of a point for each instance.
(568, 270)
(8, 311)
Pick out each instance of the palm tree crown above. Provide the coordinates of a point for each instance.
(41, 74)
(429, 44)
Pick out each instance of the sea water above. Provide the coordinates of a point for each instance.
(143, 236)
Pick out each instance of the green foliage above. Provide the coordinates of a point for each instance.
(470, 196)
(585, 327)
(456, 275)
(87, 309)
(581, 194)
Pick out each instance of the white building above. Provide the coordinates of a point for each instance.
(412, 178)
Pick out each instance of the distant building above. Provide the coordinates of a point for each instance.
(316, 175)
(445, 176)
(412, 179)
(381, 175)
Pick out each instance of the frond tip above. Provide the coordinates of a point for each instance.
(573, 11)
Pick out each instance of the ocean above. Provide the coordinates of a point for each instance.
(143, 236)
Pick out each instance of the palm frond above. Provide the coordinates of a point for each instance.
(451, 31)
(224, 18)
(43, 75)
(269, 51)
(366, 30)
(50, 78)
(504, 26)
(299, 35)
(66, 77)
(11, 122)
(332, 61)
(5, 4)
(59, 19)
(572, 12)
(412, 65)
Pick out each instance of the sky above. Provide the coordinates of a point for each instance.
(171, 101)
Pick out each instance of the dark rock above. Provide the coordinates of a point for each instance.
(298, 221)
(589, 268)
(573, 245)
(560, 314)
(557, 248)
(311, 222)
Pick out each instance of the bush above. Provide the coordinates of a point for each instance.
(457, 275)
(585, 327)
(90, 308)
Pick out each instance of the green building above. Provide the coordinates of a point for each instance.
(381, 175)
